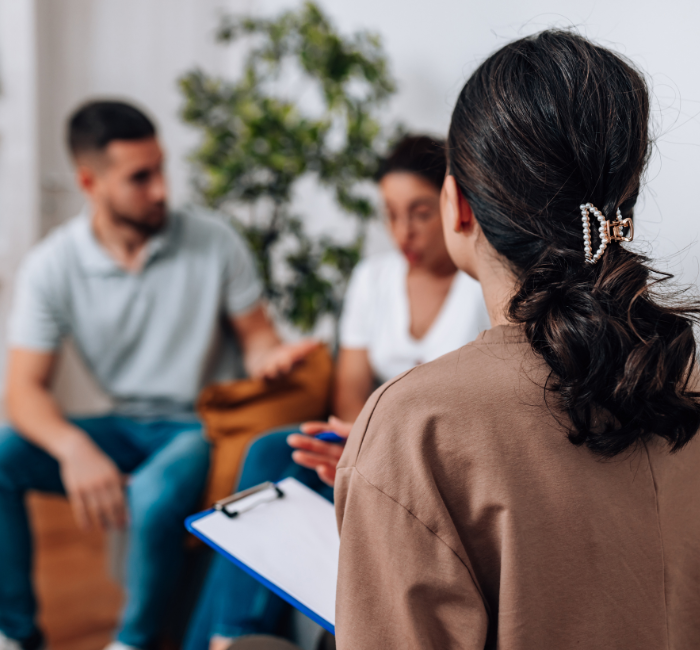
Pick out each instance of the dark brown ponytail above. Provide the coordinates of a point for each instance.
(545, 124)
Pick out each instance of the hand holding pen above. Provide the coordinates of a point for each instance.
(320, 446)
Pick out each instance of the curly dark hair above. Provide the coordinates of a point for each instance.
(547, 123)
(422, 155)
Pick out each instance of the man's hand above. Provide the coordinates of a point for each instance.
(94, 485)
(92, 482)
(316, 454)
(264, 354)
(281, 359)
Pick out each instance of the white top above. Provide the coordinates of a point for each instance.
(152, 339)
(376, 317)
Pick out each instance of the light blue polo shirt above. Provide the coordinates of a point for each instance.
(152, 339)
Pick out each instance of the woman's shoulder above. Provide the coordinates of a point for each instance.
(495, 354)
(493, 359)
(451, 395)
(441, 420)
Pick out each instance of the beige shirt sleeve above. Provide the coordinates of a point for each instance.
(399, 585)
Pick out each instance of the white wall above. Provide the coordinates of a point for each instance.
(435, 45)
(19, 205)
(131, 49)
(137, 48)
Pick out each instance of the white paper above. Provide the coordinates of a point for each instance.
(292, 542)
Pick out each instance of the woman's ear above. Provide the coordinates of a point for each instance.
(457, 214)
(449, 204)
(459, 226)
(467, 222)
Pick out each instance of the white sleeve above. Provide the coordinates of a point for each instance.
(242, 284)
(356, 319)
(37, 320)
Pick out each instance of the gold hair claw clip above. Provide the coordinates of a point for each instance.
(609, 231)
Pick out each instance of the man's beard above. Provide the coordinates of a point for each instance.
(147, 226)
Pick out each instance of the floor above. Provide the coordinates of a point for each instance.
(79, 604)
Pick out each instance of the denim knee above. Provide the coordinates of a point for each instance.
(14, 455)
(270, 445)
(163, 493)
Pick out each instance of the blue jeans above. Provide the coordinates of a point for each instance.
(232, 603)
(167, 462)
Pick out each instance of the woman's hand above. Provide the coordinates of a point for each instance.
(316, 454)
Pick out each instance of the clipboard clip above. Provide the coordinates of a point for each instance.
(267, 492)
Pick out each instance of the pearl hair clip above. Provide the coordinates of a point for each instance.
(608, 231)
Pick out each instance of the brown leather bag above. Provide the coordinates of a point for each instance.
(235, 412)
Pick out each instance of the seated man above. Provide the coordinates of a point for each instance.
(151, 298)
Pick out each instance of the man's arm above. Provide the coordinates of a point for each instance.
(264, 355)
(92, 481)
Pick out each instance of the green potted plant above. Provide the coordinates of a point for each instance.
(257, 144)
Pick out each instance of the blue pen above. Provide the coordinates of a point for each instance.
(330, 436)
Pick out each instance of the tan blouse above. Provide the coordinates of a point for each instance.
(468, 520)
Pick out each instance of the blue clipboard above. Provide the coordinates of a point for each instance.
(189, 524)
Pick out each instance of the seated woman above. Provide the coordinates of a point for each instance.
(539, 488)
(402, 308)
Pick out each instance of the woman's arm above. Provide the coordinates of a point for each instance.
(354, 382)
(353, 385)
(399, 584)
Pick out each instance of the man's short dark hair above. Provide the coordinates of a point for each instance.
(95, 124)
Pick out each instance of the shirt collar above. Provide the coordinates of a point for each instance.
(96, 260)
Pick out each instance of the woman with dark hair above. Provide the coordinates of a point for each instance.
(410, 305)
(402, 308)
(539, 488)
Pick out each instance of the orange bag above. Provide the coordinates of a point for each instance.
(235, 412)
